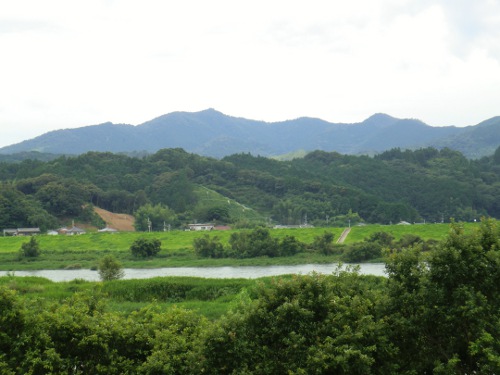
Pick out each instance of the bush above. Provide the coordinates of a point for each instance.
(324, 244)
(208, 247)
(361, 252)
(289, 246)
(110, 269)
(30, 249)
(145, 247)
(255, 243)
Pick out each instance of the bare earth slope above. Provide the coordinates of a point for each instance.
(121, 222)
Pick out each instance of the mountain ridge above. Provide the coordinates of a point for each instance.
(212, 133)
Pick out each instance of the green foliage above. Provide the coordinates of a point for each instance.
(173, 289)
(443, 311)
(30, 249)
(362, 252)
(304, 325)
(328, 188)
(435, 313)
(208, 247)
(110, 269)
(255, 243)
(290, 246)
(324, 243)
(219, 214)
(174, 189)
(145, 247)
(157, 216)
(12, 323)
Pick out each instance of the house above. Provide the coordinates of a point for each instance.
(21, 232)
(71, 231)
(201, 226)
(27, 231)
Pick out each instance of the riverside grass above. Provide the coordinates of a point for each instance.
(85, 251)
(209, 297)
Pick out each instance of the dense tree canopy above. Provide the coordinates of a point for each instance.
(322, 188)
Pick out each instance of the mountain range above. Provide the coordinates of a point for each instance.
(212, 133)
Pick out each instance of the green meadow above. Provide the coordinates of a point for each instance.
(85, 251)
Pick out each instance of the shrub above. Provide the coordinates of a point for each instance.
(324, 244)
(110, 269)
(255, 243)
(362, 251)
(208, 247)
(145, 247)
(30, 249)
(289, 246)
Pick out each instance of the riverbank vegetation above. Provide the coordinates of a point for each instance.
(434, 313)
(178, 247)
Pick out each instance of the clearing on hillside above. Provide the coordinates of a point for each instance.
(121, 222)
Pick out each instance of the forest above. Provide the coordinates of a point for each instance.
(435, 313)
(321, 188)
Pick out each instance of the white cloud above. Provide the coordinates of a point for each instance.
(68, 64)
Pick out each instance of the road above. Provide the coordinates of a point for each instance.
(343, 235)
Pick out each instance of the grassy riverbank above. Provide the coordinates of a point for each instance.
(209, 297)
(85, 251)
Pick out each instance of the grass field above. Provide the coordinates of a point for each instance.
(84, 251)
(209, 297)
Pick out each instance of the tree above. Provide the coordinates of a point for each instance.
(30, 249)
(145, 247)
(443, 309)
(313, 324)
(255, 243)
(157, 215)
(213, 213)
(208, 247)
(12, 325)
(110, 269)
(324, 243)
(289, 246)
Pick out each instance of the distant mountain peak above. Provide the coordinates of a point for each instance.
(212, 133)
(380, 119)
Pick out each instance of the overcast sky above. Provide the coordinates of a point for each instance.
(68, 63)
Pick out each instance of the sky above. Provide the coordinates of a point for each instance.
(70, 63)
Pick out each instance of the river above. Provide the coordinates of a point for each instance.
(246, 272)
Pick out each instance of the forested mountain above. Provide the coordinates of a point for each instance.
(323, 187)
(212, 133)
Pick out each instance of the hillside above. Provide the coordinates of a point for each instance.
(120, 222)
(173, 187)
(219, 135)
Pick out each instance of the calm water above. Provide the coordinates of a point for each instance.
(249, 272)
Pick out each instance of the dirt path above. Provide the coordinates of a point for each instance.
(343, 235)
(121, 222)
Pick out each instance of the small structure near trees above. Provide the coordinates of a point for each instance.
(21, 232)
(201, 226)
